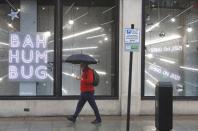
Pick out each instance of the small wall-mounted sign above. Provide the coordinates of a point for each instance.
(28, 56)
(132, 39)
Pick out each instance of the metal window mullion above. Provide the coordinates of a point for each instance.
(58, 48)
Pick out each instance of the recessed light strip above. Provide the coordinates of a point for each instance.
(75, 49)
(80, 16)
(156, 24)
(81, 33)
(189, 68)
(96, 36)
(155, 41)
(2, 43)
(167, 61)
(108, 9)
(151, 83)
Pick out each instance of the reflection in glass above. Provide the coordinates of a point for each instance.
(171, 46)
(14, 18)
(89, 28)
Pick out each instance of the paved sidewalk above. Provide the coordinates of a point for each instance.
(110, 123)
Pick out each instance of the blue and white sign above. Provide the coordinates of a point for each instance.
(132, 39)
(28, 57)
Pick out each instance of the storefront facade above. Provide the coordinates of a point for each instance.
(91, 27)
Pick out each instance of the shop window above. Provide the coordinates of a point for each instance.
(23, 17)
(171, 46)
(90, 27)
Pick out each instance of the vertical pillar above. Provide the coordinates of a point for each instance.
(28, 23)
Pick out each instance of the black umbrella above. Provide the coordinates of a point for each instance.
(81, 58)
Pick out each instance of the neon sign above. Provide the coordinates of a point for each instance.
(28, 57)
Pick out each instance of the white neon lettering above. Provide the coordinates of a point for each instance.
(28, 57)
(13, 55)
(28, 42)
(24, 55)
(29, 74)
(42, 56)
(12, 73)
(41, 40)
(14, 41)
(41, 72)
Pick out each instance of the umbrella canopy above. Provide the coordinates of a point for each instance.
(80, 58)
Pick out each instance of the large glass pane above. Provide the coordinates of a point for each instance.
(89, 28)
(171, 45)
(25, 17)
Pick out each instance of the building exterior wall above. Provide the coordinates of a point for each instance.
(130, 13)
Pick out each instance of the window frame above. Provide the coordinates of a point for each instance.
(58, 32)
(143, 97)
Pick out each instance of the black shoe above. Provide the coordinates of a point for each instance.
(71, 118)
(96, 121)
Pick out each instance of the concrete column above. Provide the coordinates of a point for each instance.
(131, 14)
(28, 23)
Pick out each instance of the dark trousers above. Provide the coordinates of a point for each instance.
(87, 96)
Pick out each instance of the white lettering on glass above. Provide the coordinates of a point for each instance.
(28, 57)
(24, 56)
(27, 73)
(41, 72)
(14, 41)
(41, 40)
(14, 55)
(13, 74)
(41, 56)
(28, 42)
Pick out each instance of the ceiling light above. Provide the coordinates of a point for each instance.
(2, 43)
(163, 39)
(167, 61)
(100, 41)
(10, 25)
(189, 29)
(189, 68)
(187, 45)
(3, 77)
(68, 74)
(101, 72)
(106, 38)
(81, 33)
(71, 22)
(153, 26)
(48, 34)
(43, 8)
(75, 49)
(96, 36)
(83, 48)
(173, 20)
(18, 10)
(150, 56)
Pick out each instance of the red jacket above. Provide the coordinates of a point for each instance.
(86, 83)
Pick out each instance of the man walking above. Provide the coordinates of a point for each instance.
(87, 94)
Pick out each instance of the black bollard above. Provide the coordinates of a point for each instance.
(164, 106)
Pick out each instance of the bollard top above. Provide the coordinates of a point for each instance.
(164, 84)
